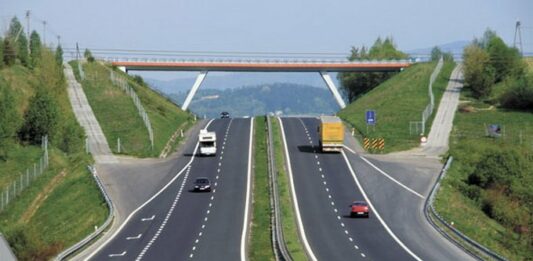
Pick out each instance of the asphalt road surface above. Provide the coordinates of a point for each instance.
(179, 224)
(326, 183)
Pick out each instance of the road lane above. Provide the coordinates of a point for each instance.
(325, 188)
(176, 221)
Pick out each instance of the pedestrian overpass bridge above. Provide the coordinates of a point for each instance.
(257, 65)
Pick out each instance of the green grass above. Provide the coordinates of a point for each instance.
(398, 101)
(72, 205)
(118, 117)
(261, 243)
(467, 144)
(290, 229)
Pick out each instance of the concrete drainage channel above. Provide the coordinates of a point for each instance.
(472, 247)
(280, 248)
(71, 250)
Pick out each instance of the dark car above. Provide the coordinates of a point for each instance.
(202, 184)
(359, 208)
(224, 115)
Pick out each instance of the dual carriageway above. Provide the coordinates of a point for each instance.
(178, 224)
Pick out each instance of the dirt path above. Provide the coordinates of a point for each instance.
(41, 197)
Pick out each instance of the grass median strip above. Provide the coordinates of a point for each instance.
(290, 229)
(261, 243)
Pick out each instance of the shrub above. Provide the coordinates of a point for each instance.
(497, 168)
(41, 118)
(519, 94)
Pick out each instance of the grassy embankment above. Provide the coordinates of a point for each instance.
(119, 118)
(64, 204)
(290, 229)
(261, 243)
(468, 143)
(398, 101)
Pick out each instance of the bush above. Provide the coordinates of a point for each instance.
(519, 94)
(41, 118)
(497, 168)
(72, 137)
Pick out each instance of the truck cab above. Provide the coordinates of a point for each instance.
(208, 142)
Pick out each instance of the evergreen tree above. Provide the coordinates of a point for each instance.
(9, 119)
(35, 48)
(16, 34)
(1, 52)
(41, 118)
(10, 53)
(59, 55)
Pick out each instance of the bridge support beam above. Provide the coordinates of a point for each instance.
(199, 79)
(333, 89)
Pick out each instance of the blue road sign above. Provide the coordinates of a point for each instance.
(370, 117)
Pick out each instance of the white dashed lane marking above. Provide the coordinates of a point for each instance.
(213, 191)
(324, 182)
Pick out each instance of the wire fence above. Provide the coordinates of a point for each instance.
(122, 82)
(13, 190)
(419, 127)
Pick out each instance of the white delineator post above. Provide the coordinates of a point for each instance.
(199, 79)
(333, 89)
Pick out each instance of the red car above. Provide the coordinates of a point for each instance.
(359, 208)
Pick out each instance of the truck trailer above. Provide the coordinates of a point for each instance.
(208, 142)
(331, 134)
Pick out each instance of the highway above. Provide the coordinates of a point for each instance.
(324, 185)
(178, 224)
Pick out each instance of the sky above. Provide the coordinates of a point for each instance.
(292, 26)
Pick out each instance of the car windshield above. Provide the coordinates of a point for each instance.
(359, 204)
(202, 181)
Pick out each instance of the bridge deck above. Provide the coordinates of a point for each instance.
(263, 66)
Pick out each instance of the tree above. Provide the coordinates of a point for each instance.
(10, 53)
(16, 34)
(356, 84)
(519, 93)
(88, 55)
(59, 55)
(41, 118)
(436, 53)
(9, 120)
(35, 48)
(478, 73)
(506, 61)
(1, 52)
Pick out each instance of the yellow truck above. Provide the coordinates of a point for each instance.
(331, 133)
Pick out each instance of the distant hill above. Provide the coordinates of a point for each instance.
(236, 80)
(455, 48)
(284, 98)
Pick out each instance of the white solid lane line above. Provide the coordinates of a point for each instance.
(146, 202)
(148, 219)
(295, 199)
(135, 237)
(245, 224)
(375, 211)
(391, 178)
(115, 255)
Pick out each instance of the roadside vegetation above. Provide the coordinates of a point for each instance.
(397, 102)
(288, 217)
(63, 205)
(261, 232)
(488, 192)
(125, 124)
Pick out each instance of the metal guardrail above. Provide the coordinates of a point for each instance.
(280, 248)
(63, 255)
(429, 210)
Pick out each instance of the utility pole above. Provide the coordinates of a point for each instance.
(44, 33)
(28, 27)
(518, 32)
